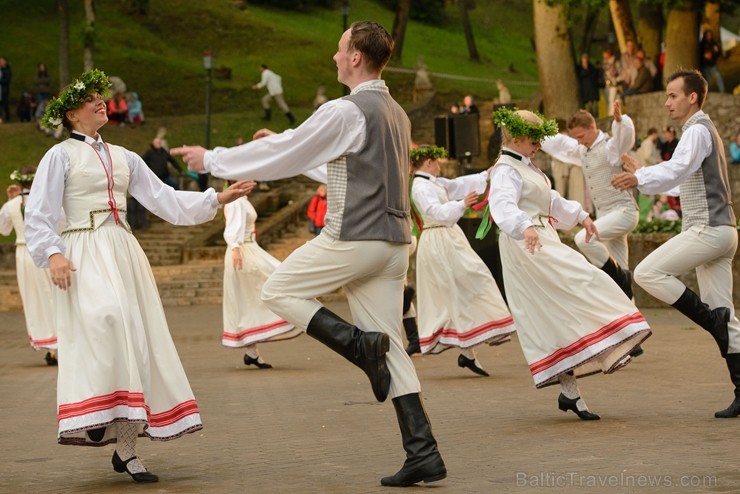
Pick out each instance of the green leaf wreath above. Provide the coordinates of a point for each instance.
(92, 81)
(518, 127)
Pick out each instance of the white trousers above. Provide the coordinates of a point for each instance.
(278, 99)
(372, 274)
(707, 249)
(613, 228)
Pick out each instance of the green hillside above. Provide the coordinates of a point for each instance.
(160, 57)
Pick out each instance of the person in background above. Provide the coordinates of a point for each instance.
(316, 210)
(642, 81)
(612, 70)
(571, 319)
(468, 105)
(135, 113)
(43, 90)
(668, 144)
(5, 77)
(735, 150)
(274, 84)
(120, 377)
(648, 152)
(589, 76)
(710, 52)
(26, 107)
(247, 266)
(34, 284)
(157, 158)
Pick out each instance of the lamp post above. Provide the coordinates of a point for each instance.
(345, 14)
(208, 57)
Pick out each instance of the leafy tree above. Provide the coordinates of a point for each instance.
(399, 28)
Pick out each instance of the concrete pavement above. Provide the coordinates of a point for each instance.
(310, 425)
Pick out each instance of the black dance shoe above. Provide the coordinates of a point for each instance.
(255, 361)
(637, 351)
(730, 412)
(121, 466)
(50, 359)
(565, 404)
(96, 435)
(463, 361)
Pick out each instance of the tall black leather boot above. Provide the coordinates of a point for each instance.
(622, 277)
(365, 349)
(291, 118)
(412, 335)
(712, 320)
(267, 115)
(423, 461)
(733, 365)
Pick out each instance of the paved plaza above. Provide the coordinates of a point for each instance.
(310, 425)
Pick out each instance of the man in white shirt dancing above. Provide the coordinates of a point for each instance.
(274, 84)
(364, 139)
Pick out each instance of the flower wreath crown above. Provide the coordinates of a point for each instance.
(92, 81)
(518, 127)
(23, 178)
(427, 152)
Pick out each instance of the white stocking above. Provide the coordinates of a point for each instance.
(569, 387)
(126, 446)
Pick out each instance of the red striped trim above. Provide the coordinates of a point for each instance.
(173, 415)
(585, 342)
(468, 335)
(48, 341)
(256, 330)
(98, 403)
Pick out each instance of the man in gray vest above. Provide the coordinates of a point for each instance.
(364, 139)
(708, 238)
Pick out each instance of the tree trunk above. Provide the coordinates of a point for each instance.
(649, 27)
(711, 19)
(472, 50)
(89, 41)
(681, 39)
(555, 61)
(63, 9)
(624, 27)
(399, 28)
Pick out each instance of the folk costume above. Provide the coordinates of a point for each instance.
(246, 319)
(120, 377)
(34, 284)
(364, 139)
(572, 321)
(706, 244)
(459, 302)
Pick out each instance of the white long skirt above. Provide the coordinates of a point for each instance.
(569, 314)
(246, 319)
(35, 286)
(458, 302)
(117, 360)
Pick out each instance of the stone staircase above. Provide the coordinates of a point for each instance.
(187, 262)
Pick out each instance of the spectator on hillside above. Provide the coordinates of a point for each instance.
(43, 90)
(157, 159)
(135, 113)
(710, 50)
(117, 109)
(26, 107)
(589, 76)
(320, 98)
(274, 84)
(5, 76)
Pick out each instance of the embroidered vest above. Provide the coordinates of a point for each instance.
(86, 200)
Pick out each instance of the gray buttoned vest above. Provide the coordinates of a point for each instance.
(598, 173)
